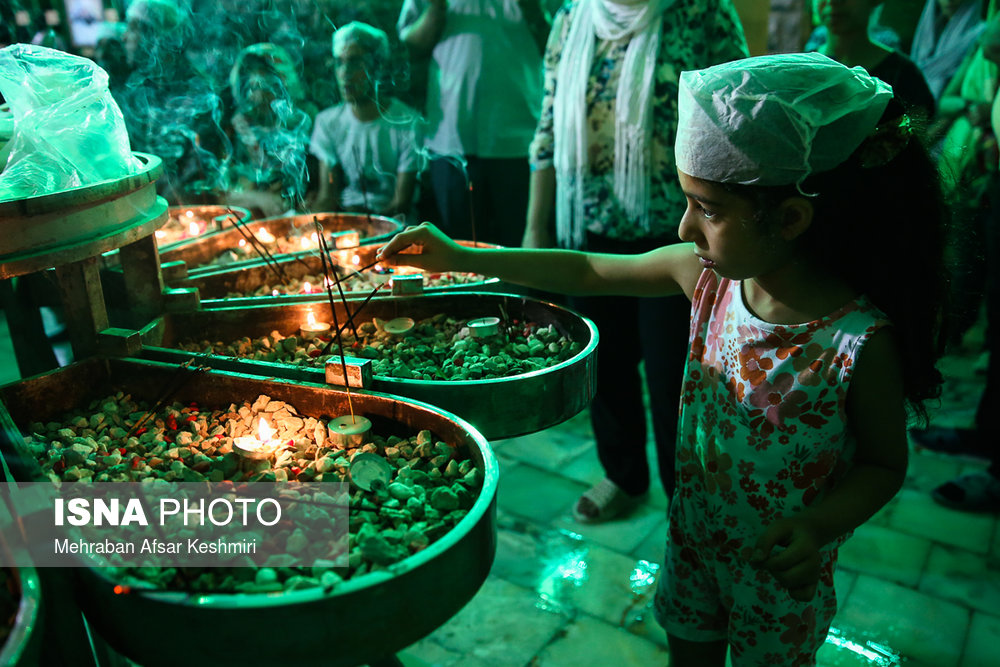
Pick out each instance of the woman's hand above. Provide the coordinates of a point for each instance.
(789, 549)
(425, 247)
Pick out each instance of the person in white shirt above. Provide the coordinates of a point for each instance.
(483, 102)
(367, 145)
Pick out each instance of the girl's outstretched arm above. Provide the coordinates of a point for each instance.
(668, 270)
(877, 417)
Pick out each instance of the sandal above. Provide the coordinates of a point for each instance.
(974, 492)
(604, 501)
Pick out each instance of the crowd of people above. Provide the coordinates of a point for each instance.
(698, 204)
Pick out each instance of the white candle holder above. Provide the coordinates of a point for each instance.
(484, 326)
(399, 326)
(349, 431)
(368, 469)
(313, 329)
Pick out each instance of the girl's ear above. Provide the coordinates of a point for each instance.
(795, 214)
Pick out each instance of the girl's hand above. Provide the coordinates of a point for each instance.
(424, 247)
(789, 549)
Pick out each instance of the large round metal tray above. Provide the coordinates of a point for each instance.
(198, 253)
(24, 641)
(214, 286)
(499, 408)
(63, 227)
(364, 619)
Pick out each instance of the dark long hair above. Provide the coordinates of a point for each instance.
(883, 230)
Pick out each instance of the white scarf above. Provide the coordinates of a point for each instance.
(608, 20)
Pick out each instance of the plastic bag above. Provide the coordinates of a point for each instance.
(68, 130)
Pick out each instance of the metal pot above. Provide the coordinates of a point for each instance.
(499, 408)
(362, 620)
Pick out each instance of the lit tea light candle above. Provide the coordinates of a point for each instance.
(194, 229)
(256, 448)
(160, 234)
(307, 288)
(484, 326)
(312, 328)
(350, 238)
(275, 292)
(349, 430)
(399, 326)
(265, 236)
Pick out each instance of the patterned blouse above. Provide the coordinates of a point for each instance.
(763, 428)
(694, 34)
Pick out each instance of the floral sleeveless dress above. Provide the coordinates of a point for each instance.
(762, 434)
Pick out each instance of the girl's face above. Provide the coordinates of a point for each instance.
(727, 235)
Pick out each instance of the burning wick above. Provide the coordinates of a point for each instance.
(256, 448)
(243, 242)
(312, 328)
(189, 214)
(275, 292)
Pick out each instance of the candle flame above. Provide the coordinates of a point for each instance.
(307, 288)
(193, 229)
(189, 214)
(265, 236)
(160, 234)
(243, 242)
(311, 318)
(327, 282)
(314, 238)
(304, 242)
(275, 292)
(356, 259)
(264, 431)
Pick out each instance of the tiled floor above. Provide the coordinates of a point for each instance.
(919, 585)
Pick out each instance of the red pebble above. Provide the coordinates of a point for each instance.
(192, 418)
(192, 404)
(172, 423)
(59, 465)
(136, 462)
(219, 436)
(167, 438)
(141, 431)
(121, 450)
(315, 353)
(296, 470)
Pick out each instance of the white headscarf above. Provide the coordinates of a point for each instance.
(773, 120)
(609, 20)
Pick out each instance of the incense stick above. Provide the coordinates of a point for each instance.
(351, 315)
(336, 325)
(258, 247)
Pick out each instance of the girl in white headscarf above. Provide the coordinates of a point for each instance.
(813, 335)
